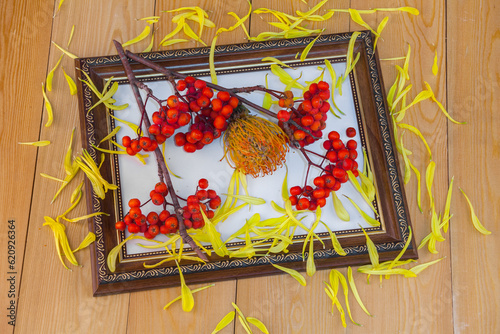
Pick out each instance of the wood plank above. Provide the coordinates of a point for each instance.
(474, 85)
(24, 45)
(62, 299)
(282, 304)
(421, 304)
(212, 304)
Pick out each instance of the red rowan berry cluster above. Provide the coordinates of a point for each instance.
(204, 199)
(153, 223)
(134, 146)
(340, 158)
(211, 114)
(311, 114)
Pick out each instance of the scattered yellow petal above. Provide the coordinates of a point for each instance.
(48, 106)
(67, 53)
(475, 221)
(446, 215)
(74, 220)
(435, 64)
(228, 318)
(188, 31)
(51, 177)
(50, 76)
(419, 134)
(372, 250)
(110, 135)
(150, 46)
(140, 37)
(339, 208)
(259, 324)
(276, 61)
(89, 239)
(310, 266)
(381, 27)
(355, 291)
(429, 180)
(71, 83)
(37, 143)
(71, 35)
(294, 273)
(420, 267)
(433, 98)
(308, 48)
(76, 194)
(356, 185)
(242, 318)
(357, 19)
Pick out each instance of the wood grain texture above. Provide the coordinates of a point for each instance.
(25, 31)
(62, 299)
(474, 86)
(421, 304)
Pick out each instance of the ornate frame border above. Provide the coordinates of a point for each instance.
(103, 278)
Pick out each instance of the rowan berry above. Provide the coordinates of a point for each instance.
(202, 194)
(330, 181)
(303, 203)
(338, 173)
(200, 84)
(161, 188)
(296, 190)
(319, 181)
(220, 122)
(333, 135)
(216, 104)
(343, 153)
(234, 102)
(180, 139)
(173, 101)
(119, 225)
(322, 85)
(223, 96)
(332, 156)
(184, 119)
(157, 198)
(208, 92)
(283, 115)
(208, 137)
(164, 215)
(181, 85)
(136, 146)
(226, 111)
(141, 220)
(353, 154)
(203, 184)
(214, 203)
(126, 141)
(133, 228)
(350, 132)
(351, 144)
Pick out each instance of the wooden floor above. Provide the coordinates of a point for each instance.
(461, 294)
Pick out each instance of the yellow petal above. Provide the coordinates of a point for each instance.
(343, 283)
(419, 134)
(67, 53)
(435, 64)
(357, 19)
(475, 221)
(76, 194)
(242, 317)
(407, 174)
(275, 61)
(187, 295)
(51, 177)
(355, 291)
(228, 318)
(446, 214)
(429, 180)
(193, 291)
(150, 19)
(335, 242)
(74, 220)
(339, 208)
(405, 247)
(433, 98)
(71, 83)
(420, 267)
(68, 166)
(150, 46)
(417, 174)
(131, 125)
(59, 6)
(294, 273)
(310, 266)
(48, 107)
(110, 135)
(107, 96)
(423, 95)
(71, 35)
(372, 250)
(140, 37)
(249, 199)
(356, 185)
(381, 27)
(37, 143)
(308, 48)
(89, 239)
(259, 324)
(50, 76)
(179, 27)
(188, 31)
(215, 237)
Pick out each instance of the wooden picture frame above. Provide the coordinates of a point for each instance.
(373, 119)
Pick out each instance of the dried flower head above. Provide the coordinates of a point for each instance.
(255, 145)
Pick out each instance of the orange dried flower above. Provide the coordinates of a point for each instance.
(255, 145)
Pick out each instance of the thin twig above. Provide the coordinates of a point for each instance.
(159, 156)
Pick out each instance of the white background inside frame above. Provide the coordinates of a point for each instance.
(137, 180)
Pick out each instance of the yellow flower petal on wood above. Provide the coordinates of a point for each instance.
(71, 83)
(48, 107)
(475, 221)
(50, 76)
(441, 107)
(294, 273)
(140, 37)
(66, 52)
(89, 239)
(259, 324)
(357, 19)
(381, 27)
(71, 35)
(435, 64)
(429, 180)
(355, 291)
(228, 318)
(150, 46)
(36, 143)
(372, 250)
(446, 214)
